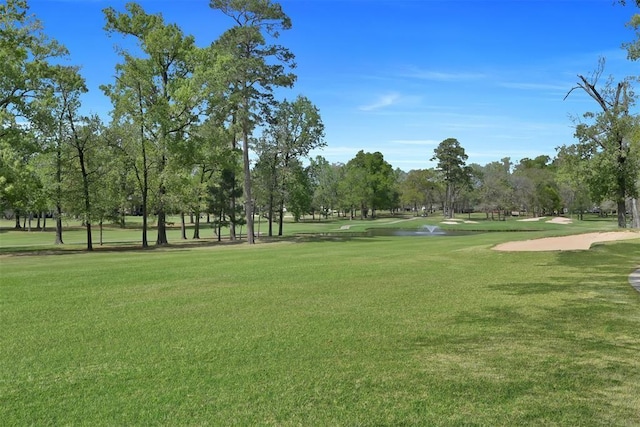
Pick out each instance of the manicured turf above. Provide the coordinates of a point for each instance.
(352, 331)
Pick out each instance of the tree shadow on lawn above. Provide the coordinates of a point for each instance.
(182, 245)
(594, 330)
(602, 268)
(610, 262)
(110, 247)
(537, 288)
(557, 345)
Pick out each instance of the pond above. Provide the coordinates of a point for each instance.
(424, 231)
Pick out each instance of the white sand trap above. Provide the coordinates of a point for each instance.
(566, 243)
(345, 227)
(532, 219)
(471, 222)
(560, 220)
(450, 222)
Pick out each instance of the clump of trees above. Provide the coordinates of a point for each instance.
(186, 120)
(181, 129)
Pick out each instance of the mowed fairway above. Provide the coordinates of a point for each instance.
(360, 331)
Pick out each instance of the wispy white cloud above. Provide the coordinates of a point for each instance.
(443, 76)
(383, 101)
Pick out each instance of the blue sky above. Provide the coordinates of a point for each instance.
(401, 76)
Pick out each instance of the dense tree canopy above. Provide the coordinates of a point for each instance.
(207, 131)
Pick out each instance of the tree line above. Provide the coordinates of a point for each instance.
(182, 124)
(198, 131)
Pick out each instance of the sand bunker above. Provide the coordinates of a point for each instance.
(538, 218)
(566, 243)
(560, 220)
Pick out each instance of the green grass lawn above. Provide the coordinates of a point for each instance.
(336, 331)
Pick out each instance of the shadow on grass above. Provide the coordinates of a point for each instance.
(110, 247)
(536, 288)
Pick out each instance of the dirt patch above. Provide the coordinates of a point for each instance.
(566, 243)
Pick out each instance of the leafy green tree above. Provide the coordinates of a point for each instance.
(296, 129)
(254, 68)
(18, 177)
(606, 141)
(53, 121)
(418, 190)
(53, 159)
(325, 179)
(536, 181)
(369, 183)
(83, 140)
(299, 191)
(267, 191)
(137, 156)
(156, 92)
(204, 155)
(496, 190)
(222, 192)
(27, 65)
(453, 171)
(92, 167)
(571, 177)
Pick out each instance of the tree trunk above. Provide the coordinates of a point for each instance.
(248, 202)
(162, 228)
(635, 207)
(183, 226)
(449, 202)
(270, 215)
(89, 239)
(58, 196)
(87, 199)
(145, 213)
(196, 227)
(58, 218)
(281, 217)
(232, 200)
(17, 226)
(622, 214)
(123, 218)
(44, 221)
(232, 214)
